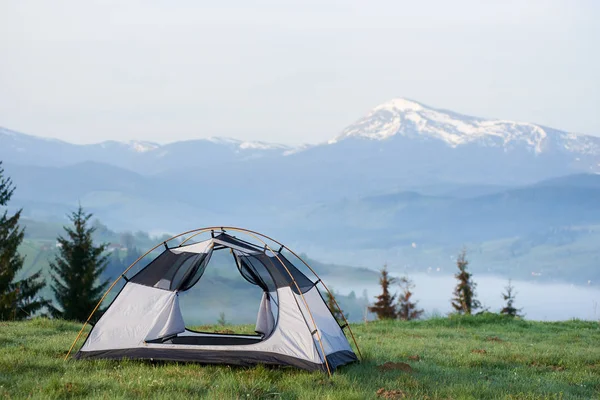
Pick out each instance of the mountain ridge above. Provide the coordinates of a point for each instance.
(143, 146)
(415, 145)
(401, 109)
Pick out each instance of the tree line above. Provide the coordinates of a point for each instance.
(464, 300)
(76, 271)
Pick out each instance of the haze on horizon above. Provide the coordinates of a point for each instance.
(292, 73)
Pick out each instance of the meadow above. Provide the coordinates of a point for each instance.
(476, 357)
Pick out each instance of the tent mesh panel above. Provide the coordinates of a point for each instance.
(182, 270)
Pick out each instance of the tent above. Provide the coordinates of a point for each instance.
(294, 326)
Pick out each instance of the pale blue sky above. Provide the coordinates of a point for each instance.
(289, 71)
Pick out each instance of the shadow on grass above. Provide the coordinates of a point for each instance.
(166, 364)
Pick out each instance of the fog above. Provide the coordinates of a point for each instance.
(539, 301)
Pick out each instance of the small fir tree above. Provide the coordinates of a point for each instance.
(384, 307)
(222, 321)
(337, 313)
(77, 270)
(407, 309)
(509, 296)
(19, 299)
(464, 301)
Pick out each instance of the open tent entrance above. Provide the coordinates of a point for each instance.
(235, 263)
(293, 325)
(223, 301)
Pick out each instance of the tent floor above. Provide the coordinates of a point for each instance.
(208, 340)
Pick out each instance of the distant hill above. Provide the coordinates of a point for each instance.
(406, 184)
(568, 201)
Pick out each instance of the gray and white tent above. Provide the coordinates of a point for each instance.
(294, 326)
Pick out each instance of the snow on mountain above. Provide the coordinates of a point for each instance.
(135, 146)
(249, 145)
(222, 140)
(142, 146)
(298, 149)
(582, 144)
(136, 155)
(263, 146)
(412, 119)
(394, 132)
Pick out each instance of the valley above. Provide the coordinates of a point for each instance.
(407, 185)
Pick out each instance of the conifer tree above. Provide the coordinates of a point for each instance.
(18, 298)
(384, 307)
(464, 301)
(77, 270)
(337, 313)
(509, 296)
(407, 309)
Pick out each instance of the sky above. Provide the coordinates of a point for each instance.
(289, 71)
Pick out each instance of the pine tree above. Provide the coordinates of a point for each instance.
(337, 313)
(222, 321)
(384, 307)
(407, 309)
(509, 309)
(18, 298)
(77, 270)
(464, 301)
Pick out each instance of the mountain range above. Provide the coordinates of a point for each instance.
(396, 127)
(407, 183)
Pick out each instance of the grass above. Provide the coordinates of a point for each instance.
(478, 357)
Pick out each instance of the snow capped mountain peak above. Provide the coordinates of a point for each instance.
(383, 121)
(399, 104)
(411, 119)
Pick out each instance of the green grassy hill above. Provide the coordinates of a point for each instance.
(483, 357)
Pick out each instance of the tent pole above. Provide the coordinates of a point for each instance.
(200, 231)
